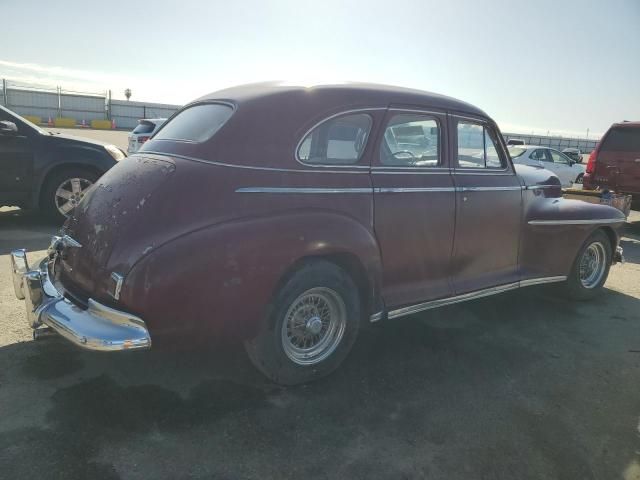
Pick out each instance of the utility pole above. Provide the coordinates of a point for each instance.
(59, 89)
(5, 95)
(587, 134)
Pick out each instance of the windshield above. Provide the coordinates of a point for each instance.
(516, 151)
(144, 127)
(13, 117)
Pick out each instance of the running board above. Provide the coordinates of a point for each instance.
(401, 312)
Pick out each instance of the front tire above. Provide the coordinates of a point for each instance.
(590, 268)
(63, 190)
(580, 179)
(314, 323)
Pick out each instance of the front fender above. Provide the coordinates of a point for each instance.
(219, 280)
(68, 157)
(555, 228)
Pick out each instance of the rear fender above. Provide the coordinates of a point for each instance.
(220, 280)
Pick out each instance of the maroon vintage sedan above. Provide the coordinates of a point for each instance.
(289, 216)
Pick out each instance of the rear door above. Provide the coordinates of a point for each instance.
(619, 158)
(489, 208)
(414, 205)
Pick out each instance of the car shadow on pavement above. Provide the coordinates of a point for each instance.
(521, 385)
(24, 229)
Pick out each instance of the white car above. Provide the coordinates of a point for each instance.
(566, 169)
(146, 127)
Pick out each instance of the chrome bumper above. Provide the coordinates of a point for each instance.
(97, 328)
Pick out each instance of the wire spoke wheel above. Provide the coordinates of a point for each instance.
(69, 193)
(592, 265)
(313, 326)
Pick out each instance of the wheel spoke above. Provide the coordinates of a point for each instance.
(75, 185)
(62, 193)
(66, 207)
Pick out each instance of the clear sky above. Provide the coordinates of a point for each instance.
(545, 65)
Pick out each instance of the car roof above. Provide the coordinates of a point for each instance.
(634, 124)
(154, 120)
(348, 93)
(528, 147)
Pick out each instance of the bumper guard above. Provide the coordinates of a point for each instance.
(96, 328)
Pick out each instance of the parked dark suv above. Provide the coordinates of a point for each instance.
(615, 163)
(50, 171)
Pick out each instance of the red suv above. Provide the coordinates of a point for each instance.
(615, 162)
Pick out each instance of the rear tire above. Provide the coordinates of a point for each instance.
(313, 325)
(590, 268)
(71, 182)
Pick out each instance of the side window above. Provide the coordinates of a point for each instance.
(491, 150)
(411, 140)
(337, 141)
(557, 157)
(539, 155)
(477, 147)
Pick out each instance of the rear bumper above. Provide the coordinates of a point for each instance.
(96, 328)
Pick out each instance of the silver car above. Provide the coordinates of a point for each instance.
(566, 169)
(145, 129)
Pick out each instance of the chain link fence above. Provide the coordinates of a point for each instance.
(45, 104)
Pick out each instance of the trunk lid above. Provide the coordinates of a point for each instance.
(106, 214)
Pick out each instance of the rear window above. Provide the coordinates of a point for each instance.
(144, 127)
(515, 152)
(195, 124)
(623, 139)
(337, 141)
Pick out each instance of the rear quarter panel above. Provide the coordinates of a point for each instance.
(219, 281)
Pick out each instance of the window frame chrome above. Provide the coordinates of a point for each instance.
(364, 110)
(392, 112)
(485, 123)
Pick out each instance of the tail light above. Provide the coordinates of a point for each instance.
(143, 139)
(591, 164)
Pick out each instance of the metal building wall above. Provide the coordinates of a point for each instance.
(126, 113)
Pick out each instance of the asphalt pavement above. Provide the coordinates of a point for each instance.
(523, 385)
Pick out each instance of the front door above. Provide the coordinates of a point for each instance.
(563, 167)
(16, 162)
(489, 208)
(414, 204)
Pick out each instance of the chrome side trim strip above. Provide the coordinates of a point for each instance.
(597, 221)
(364, 170)
(375, 317)
(411, 171)
(371, 190)
(539, 187)
(542, 280)
(411, 309)
(401, 312)
(302, 190)
(488, 189)
(413, 190)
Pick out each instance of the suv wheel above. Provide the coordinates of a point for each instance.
(64, 190)
(314, 323)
